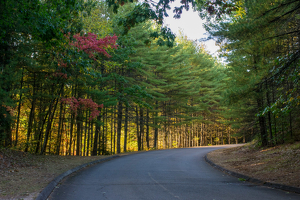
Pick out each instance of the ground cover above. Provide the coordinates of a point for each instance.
(23, 175)
(279, 164)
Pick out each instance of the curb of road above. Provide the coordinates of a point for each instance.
(253, 180)
(45, 193)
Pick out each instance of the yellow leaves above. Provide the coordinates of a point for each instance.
(111, 64)
(240, 12)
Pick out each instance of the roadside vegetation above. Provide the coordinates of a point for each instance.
(99, 78)
(88, 78)
(279, 164)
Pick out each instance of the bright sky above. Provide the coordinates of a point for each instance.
(191, 24)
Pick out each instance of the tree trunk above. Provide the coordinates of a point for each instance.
(71, 133)
(19, 110)
(94, 152)
(59, 131)
(211, 136)
(85, 133)
(269, 118)
(147, 130)
(115, 131)
(142, 128)
(229, 136)
(49, 123)
(262, 123)
(88, 138)
(137, 129)
(119, 126)
(155, 145)
(41, 128)
(125, 128)
(31, 115)
(222, 136)
(111, 133)
(78, 132)
(104, 127)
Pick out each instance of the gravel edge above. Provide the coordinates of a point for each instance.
(253, 180)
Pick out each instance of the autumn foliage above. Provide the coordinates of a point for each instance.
(90, 44)
(83, 104)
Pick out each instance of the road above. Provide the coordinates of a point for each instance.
(162, 175)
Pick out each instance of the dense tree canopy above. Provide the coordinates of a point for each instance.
(93, 77)
(260, 43)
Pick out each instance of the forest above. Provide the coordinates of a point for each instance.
(92, 77)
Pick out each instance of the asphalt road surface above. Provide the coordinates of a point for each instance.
(162, 175)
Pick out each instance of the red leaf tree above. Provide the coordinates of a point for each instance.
(90, 44)
(83, 104)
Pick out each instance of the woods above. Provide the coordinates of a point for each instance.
(79, 78)
(261, 41)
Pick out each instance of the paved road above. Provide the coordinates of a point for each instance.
(162, 175)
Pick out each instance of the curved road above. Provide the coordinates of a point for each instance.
(162, 175)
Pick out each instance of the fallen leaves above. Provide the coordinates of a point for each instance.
(18, 169)
(280, 164)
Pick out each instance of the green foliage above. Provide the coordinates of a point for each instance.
(153, 86)
(262, 67)
(98, 21)
(242, 179)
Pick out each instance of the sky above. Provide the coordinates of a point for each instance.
(191, 24)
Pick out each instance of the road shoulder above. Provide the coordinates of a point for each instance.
(276, 167)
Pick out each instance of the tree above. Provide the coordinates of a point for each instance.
(259, 58)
